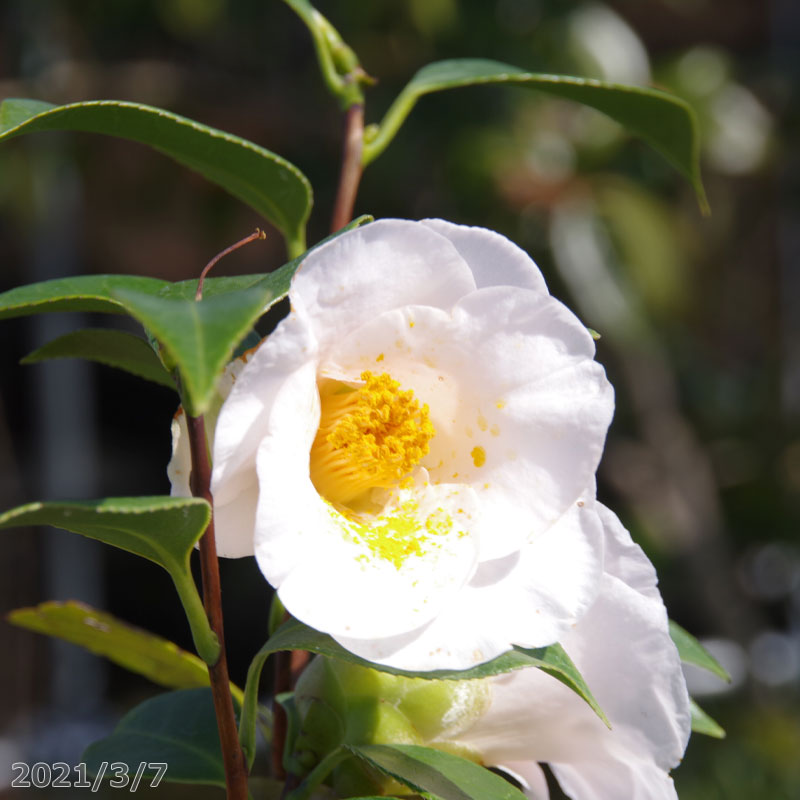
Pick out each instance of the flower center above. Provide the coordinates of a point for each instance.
(369, 437)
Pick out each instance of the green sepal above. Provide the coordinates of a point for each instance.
(664, 121)
(287, 702)
(263, 180)
(161, 529)
(113, 348)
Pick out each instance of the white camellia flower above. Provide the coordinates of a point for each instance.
(411, 454)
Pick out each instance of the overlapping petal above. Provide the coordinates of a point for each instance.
(623, 649)
(531, 598)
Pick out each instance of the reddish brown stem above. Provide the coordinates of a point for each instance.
(350, 175)
(232, 756)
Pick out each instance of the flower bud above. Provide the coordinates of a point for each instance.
(342, 703)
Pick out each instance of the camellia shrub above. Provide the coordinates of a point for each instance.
(410, 457)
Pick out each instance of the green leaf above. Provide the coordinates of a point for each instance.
(435, 773)
(161, 529)
(109, 347)
(664, 121)
(177, 728)
(296, 635)
(703, 723)
(199, 337)
(264, 181)
(137, 650)
(692, 652)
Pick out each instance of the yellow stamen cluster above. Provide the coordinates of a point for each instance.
(369, 437)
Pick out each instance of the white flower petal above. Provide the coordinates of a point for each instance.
(493, 259)
(284, 364)
(375, 268)
(389, 575)
(531, 598)
(623, 649)
(234, 521)
(519, 405)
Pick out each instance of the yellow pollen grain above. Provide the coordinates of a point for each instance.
(482, 422)
(411, 323)
(380, 357)
(404, 533)
(478, 456)
(495, 431)
(369, 437)
(500, 404)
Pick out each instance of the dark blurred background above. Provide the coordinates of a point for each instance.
(700, 318)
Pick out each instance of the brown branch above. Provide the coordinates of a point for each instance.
(350, 175)
(232, 756)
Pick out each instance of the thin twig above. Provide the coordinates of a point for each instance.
(232, 756)
(350, 175)
(257, 234)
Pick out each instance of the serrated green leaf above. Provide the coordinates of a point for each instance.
(199, 337)
(703, 723)
(112, 348)
(664, 121)
(296, 635)
(432, 772)
(261, 179)
(177, 728)
(161, 529)
(692, 652)
(139, 651)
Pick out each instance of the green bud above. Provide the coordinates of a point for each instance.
(341, 703)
